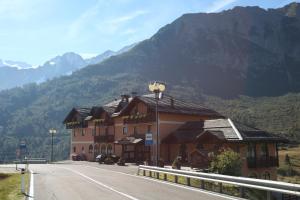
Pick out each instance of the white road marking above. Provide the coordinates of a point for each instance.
(31, 189)
(172, 184)
(102, 184)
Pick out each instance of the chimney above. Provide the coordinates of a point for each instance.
(125, 98)
(133, 94)
(172, 102)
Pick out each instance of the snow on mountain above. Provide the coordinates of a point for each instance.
(15, 64)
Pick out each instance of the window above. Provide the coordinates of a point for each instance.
(94, 131)
(103, 149)
(91, 149)
(149, 127)
(74, 149)
(106, 130)
(109, 149)
(251, 150)
(82, 148)
(74, 133)
(82, 131)
(124, 130)
(264, 150)
(135, 130)
(200, 146)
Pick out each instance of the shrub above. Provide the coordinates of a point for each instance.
(177, 163)
(227, 162)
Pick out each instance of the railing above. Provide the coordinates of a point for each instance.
(260, 162)
(72, 125)
(242, 182)
(104, 138)
(31, 161)
(139, 118)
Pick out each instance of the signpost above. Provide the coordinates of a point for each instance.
(22, 181)
(148, 139)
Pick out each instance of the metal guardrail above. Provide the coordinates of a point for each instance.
(243, 182)
(31, 161)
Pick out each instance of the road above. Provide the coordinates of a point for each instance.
(84, 181)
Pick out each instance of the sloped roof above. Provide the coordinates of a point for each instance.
(169, 104)
(222, 129)
(82, 114)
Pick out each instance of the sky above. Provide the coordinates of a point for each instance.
(36, 30)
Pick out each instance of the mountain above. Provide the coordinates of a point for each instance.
(108, 54)
(15, 64)
(245, 51)
(65, 64)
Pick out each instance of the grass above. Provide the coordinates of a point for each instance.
(294, 154)
(10, 186)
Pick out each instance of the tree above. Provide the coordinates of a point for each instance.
(227, 162)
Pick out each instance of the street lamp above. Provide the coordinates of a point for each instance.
(52, 131)
(157, 88)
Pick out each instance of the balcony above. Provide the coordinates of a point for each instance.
(139, 118)
(103, 122)
(72, 125)
(104, 138)
(262, 162)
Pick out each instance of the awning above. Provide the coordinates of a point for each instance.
(129, 140)
(88, 118)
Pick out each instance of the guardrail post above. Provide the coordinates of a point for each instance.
(220, 188)
(176, 179)
(269, 195)
(157, 175)
(202, 184)
(242, 192)
(165, 177)
(144, 172)
(150, 173)
(188, 181)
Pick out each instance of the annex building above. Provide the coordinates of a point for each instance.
(186, 129)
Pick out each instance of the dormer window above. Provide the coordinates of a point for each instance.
(125, 130)
(149, 127)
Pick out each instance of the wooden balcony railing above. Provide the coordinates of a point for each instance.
(103, 122)
(139, 118)
(261, 162)
(72, 125)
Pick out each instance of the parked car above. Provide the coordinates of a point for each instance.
(115, 158)
(78, 157)
(100, 158)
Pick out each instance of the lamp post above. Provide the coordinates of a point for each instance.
(52, 131)
(157, 88)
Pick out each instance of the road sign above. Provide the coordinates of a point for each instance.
(22, 145)
(148, 139)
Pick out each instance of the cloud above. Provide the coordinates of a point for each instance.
(128, 17)
(78, 24)
(219, 4)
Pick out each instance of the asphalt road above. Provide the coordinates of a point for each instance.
(76, 181)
